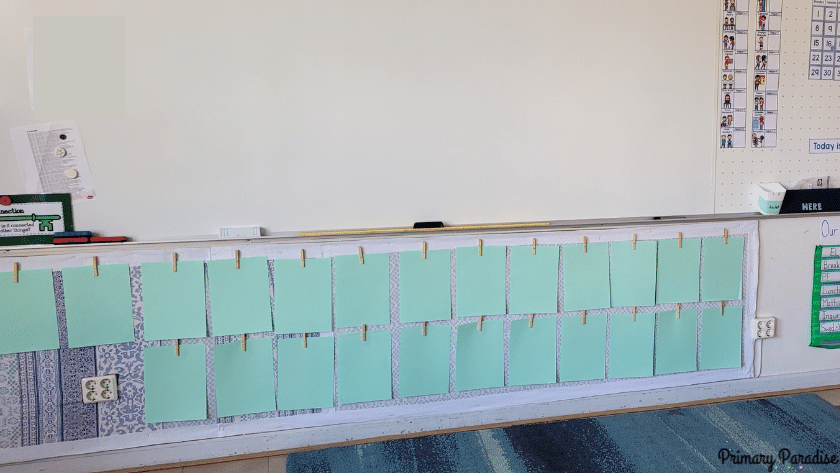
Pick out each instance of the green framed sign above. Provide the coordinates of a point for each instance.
(31, 219)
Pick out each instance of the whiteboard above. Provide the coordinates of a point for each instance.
(368, 113)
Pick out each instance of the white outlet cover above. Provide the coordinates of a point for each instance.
(99, 389)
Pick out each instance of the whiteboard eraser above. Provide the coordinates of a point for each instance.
(240, 232)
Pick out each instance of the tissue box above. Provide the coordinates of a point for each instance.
(768, 197)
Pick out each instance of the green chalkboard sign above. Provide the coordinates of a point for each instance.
(31, 219)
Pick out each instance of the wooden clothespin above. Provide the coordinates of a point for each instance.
(725, 236)
(721, 307)
(531, 321)
(424, 250)
(480, 321)
(237, 256)
(364, 332)
(679, 235)
(361, 256)
(302, 260)
(533, 246)
(583, 318)
(634, 314)
(585, 241)
(243, 342)
(480, 244)
(96, 266)
(304, 339)
(16, 270)
(424, 329)
(174, 262)
(634, 241)
(177, 347)
(678, 310)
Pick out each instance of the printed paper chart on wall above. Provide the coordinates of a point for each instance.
(766, 73)
(824, 58)
(734, 74)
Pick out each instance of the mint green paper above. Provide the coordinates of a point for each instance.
(163, 373)
(305, 376)
(583, 347)
(676, 341)
(480, 281)
(480, 356)
(244, 379)
(424, 286)
(722, 264)
(239, 298)
(302, 296)
(27, 312)
(364, 367)
(633, 274)
(173, 302)
(532, 357)
(362, 291)
(586, 277)
(720, 338)
(631, 345)
(424, 361)
(533, 279)
(678, 271)
(98, 307)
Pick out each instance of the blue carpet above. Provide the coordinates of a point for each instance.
(797, 433)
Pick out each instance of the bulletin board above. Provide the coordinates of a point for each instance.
(43, 403)
(807, 109)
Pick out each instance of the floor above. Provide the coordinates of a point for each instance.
(277, 464)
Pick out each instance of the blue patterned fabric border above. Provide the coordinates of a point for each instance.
(49, 395)
(78, 420)
(9, 402)
(28, 400)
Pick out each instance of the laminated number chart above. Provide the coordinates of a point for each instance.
(825, 302)
(823, 57)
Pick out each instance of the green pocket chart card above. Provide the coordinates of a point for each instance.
(533, 279)
(163, 372)
(364, 366)
(362, 291)
(825, 303)
(425, 286)
(631, 345)
(583, 347)
(239, 298)
(678, 271)
(27, 312)
(722, 271)
(480, 281)
(676, 341)
(532, 357)
(720, 338)
(305, 376)
(302, 295)
(480, 356)
(173, 301)
(586, 277)
(633, 274)
(424, 360)
(244, 379)
(98, 307)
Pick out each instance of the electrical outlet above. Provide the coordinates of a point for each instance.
(764, 327)
(99, 389)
